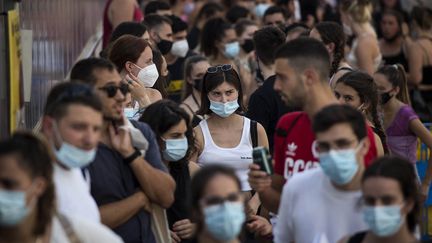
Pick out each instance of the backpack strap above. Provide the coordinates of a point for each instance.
(254, 133)
(67, 227)
(284, 133)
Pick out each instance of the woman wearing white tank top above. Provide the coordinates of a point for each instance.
(224, 137)
(356, 17)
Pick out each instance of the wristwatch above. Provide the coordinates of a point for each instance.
(132, 157)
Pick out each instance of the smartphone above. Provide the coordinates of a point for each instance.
(261, 157)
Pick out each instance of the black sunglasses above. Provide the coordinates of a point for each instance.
(111, 90)
(219, 68)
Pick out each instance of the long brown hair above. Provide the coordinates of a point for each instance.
(396, 75)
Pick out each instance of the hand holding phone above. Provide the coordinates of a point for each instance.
(261, 157)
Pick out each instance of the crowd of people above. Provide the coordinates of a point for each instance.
(152, 140)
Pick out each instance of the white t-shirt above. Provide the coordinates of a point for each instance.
(312, 208)
(73, 194)
(86, 231)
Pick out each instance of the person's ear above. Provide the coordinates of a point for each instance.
(366, 105)
(39, 187)
(48, 126)
(129, 66)
(397, 90)
(408, 206)
(220, 45)
(330, 47)
(365, 145)
(154, 36)
(189, 80)
(310, 77)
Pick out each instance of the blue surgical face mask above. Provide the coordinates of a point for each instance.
(13, 208)
(383, 220)
(260, 9)
(224, 221)
(340, 165)
(175, 149)
(224, 109)
(71, 156)
(232, 49)
(131, 113)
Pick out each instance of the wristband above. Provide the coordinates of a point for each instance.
(132, 157)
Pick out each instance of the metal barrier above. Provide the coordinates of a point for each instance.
(422, 163)
(61, 30)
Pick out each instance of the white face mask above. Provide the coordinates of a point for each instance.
(180, 48)
(148, 75)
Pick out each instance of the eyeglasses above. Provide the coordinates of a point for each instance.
(219, 68)
(215, 200)
(111, 90)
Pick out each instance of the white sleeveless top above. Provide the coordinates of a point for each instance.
(352, 58)
(239, 158)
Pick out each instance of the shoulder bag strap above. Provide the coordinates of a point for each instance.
(254, 133)
(67, 226)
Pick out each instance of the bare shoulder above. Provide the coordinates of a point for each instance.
(122, 4)
(154, 94)
(193, 168)
(199, 137)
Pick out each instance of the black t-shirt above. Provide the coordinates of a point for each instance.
(111, 180)
(175, 84)
(266, 107)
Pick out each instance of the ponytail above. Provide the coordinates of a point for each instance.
(397, 77)
(403, 94)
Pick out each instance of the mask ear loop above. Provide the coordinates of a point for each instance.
(57, 135)
(359, 146)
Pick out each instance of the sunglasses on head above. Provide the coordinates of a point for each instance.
(219, 68)
(111, 90)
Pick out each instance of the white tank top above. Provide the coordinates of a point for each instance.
(352, 58)
(239, 158)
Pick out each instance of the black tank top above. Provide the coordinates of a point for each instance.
(399, 58)
(427, 76)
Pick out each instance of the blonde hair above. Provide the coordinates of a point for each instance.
(359, 10)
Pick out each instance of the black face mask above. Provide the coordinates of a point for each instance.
(198, 84)
(164, 46)
(248, 45)
(385, 97)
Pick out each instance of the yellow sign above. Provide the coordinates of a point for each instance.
(15, 70)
